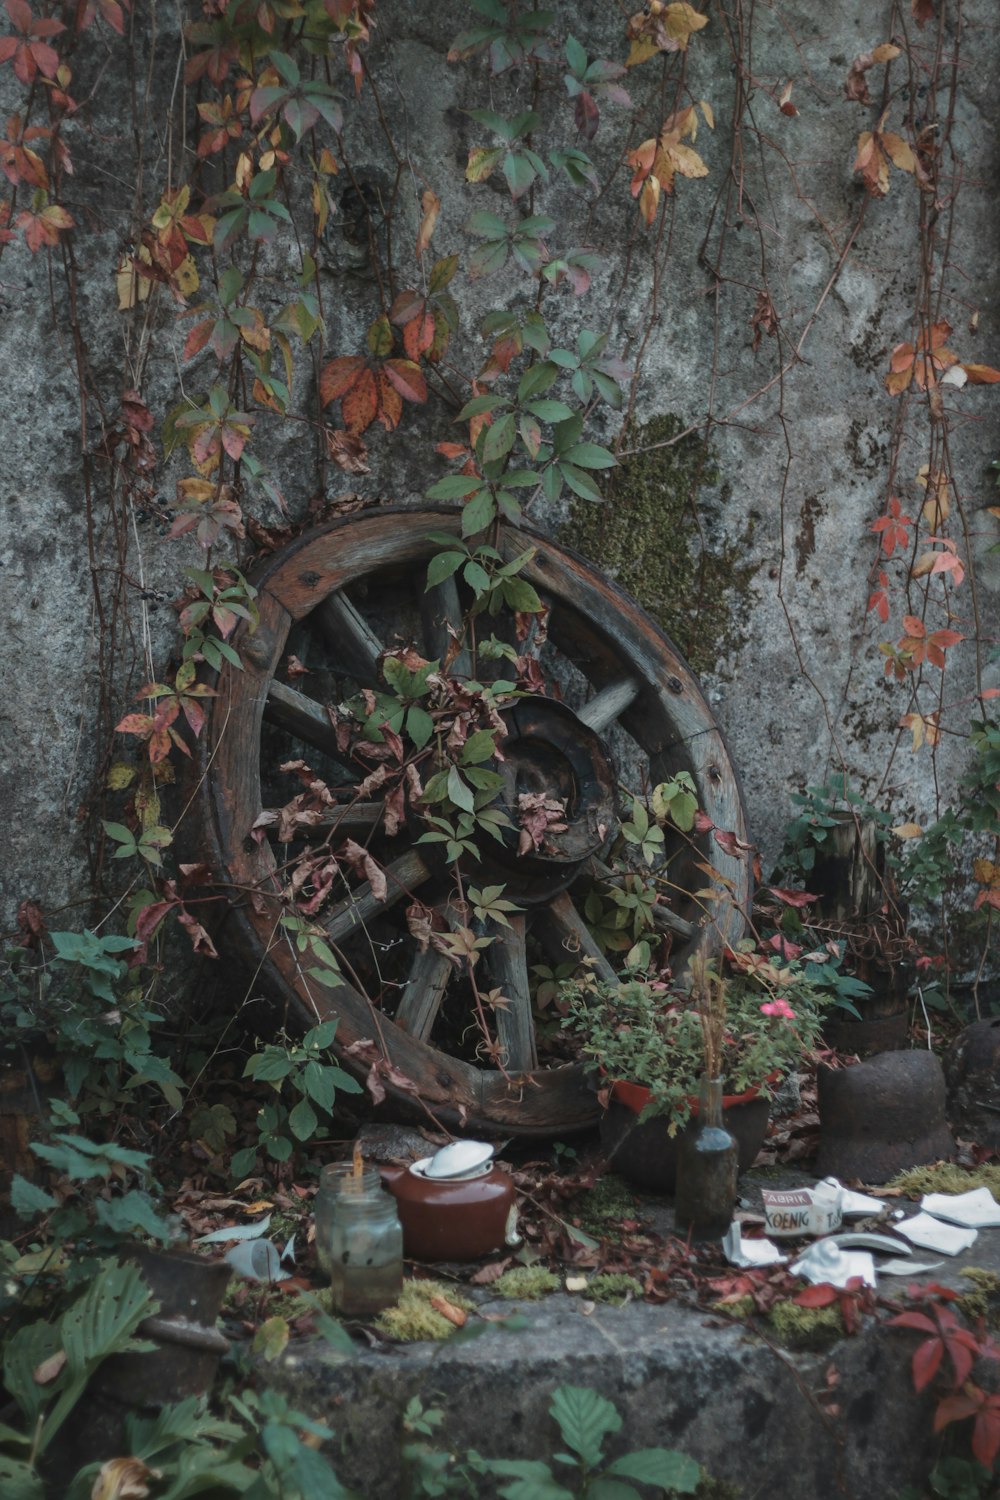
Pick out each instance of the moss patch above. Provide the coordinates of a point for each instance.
(527, 1283)
(983, 1298)
(608, 1202)
(655, 534)
(946, 1177)
(806, 1327)
(615, 1287)
(413, 1318)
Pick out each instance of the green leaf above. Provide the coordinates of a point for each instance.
(519, 172)
(243, 1162)
(585, 1419)
(498, 439)
(302, 1120)
(270, 1066)
(521, 596)
(603, 1488)
(419, 726)
(662, 1466)
(479, 747)
(580, 482)
(550, 411)
(487, 225)
(459, 791)
(442, 274)
(591, 456)
(26, 1199)
(478, 513)
(454, 487)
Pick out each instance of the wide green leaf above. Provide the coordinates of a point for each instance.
(585, 1419)
(663, 1466)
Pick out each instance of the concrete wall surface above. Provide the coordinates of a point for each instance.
(759, 313)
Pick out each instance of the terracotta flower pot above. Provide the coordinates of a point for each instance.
(646, 1154)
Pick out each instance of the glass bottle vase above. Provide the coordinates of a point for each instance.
(707, 1168)
(359, 1240)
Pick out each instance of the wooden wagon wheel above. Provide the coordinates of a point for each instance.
(337, 598)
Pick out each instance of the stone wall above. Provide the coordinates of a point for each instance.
(748, 532)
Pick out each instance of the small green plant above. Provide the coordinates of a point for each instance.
(641, 1032)
(586, 1420)
(299, 1070)
(81, 1005)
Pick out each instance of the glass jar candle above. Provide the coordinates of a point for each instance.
(359, 1240)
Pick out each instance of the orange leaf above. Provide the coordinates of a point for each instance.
(338, 376)
(981, 374)
(359, 402)
(431, 205)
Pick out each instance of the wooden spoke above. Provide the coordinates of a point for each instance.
(565, 936)
(603, 709)
(508, 965)
(424, 992)
(357, 820)
(441, 609)
(349, 637)
(303, 717)
(362, 905)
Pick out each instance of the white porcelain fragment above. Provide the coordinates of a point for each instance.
(931, 1234)
(975, 1210)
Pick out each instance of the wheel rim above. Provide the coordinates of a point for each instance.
(636, 690)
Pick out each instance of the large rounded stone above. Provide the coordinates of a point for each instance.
(972, 1074)
(882, 1116)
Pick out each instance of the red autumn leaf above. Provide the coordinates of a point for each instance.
(418, 335)
(823, 1295)
(407, 379)
(947, 1336)
(922, 11)
(110, 11)
(44, 226)
(702, 822)
(338, 376)
(731, 843)
(791, 897)
(878, 599)
(892, 528)
(31, 55)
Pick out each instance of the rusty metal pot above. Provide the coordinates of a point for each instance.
(456, 1205)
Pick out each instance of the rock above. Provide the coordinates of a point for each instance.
(882, 1116)
(972, 1075)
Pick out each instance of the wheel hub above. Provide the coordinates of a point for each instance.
(554, 768)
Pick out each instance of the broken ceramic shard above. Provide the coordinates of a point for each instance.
(802, 1212)
(931, 1234)
(741, 1252)
(975, 1210)
(825, 1262)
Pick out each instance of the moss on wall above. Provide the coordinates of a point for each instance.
(656, 535)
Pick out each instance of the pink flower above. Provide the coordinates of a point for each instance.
(779, 1007)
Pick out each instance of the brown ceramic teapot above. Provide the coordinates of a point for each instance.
(455, 1205)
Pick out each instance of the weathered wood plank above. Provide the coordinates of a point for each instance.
(424, 992)
(402, 876)
(565, 936)
(304, 717)
(352, 644)
(443, 623)
(508, 965)
(607, 705)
